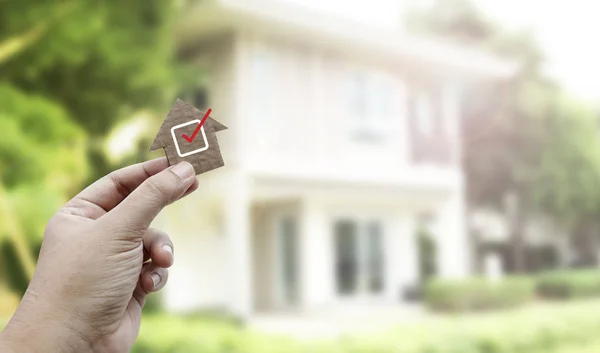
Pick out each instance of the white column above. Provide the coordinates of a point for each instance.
(316, 264)
(453, 248)
(402, 257)
(237, 202)
(238, 244)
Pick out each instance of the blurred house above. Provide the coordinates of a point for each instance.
(341, 138)
(545, 244)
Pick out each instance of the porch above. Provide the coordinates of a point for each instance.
(349, 251)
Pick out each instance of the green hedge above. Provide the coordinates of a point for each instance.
(569, 284)
(478, 294)
(556, 328)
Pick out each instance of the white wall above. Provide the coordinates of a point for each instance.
(316, 259)
(237, 259)
(263, 259)
(298, 105)
(292, 106)
(453, 246)
(402, 255)
(196, 280)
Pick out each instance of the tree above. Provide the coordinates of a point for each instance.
(69, 71)
(523, 142)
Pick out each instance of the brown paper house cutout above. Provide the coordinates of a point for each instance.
(182, 140)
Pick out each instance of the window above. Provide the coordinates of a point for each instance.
(197, 97)
(200, 98)
(381, 100)
(357, 95)
(424, 114)
(346, 248)
(263, 98)
(430, 139)
(261, 83)
(451, 108)
(369, 105)
(374, 257)
(360, 258)
(287, 244)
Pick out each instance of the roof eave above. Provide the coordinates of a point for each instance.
(212, 17)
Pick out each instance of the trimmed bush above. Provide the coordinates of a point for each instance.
(569, 284)
(478, 294)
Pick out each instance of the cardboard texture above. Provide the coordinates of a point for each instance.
(183, 119)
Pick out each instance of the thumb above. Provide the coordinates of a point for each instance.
(139, 209)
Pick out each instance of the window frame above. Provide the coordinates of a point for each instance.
(375, 91)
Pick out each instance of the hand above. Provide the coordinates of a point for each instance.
(98, 261)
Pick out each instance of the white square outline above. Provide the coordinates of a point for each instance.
(177, 145)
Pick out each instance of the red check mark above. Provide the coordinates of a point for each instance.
(190, 139)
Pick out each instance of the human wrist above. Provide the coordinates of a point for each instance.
(36, 328)
(6, 346)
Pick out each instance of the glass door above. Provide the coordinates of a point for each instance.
(359, 258)
(347, 258)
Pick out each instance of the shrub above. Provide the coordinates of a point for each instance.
(568, 284)
(478, 294)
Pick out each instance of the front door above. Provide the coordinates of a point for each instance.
(359, 258)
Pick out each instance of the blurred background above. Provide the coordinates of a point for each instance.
(401, 176)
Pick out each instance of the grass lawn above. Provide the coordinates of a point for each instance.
(566, 327)
(569, 327)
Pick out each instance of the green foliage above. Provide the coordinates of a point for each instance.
(427, 255)
(69, 71)
(564, 328)
(40, 146)
(524, 137)
(457, 19)
(15, 277)
(96, 59)
(549, 329)
(568, 175)
(91, 64)
(569, 284)
(478, 294)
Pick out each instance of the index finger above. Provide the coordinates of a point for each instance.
(106, 193)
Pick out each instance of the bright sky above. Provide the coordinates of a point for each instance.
(568, 31)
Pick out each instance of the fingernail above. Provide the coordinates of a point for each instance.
(168, 248)
(155, 279)
(184, 170)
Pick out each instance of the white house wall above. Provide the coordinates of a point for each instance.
(401, 254)
(196, 280)
(454, 251)
(318, 262)
(316, 256)
(294, 115)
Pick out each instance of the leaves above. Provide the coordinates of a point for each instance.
(567, 179)
(525, 136)
(98, 60)
(70, 70)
